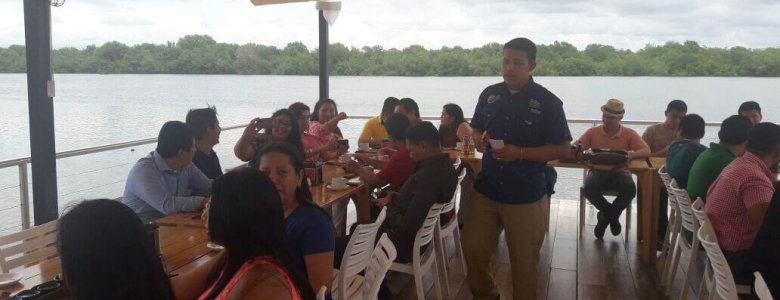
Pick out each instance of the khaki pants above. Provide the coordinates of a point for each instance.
(524, 226)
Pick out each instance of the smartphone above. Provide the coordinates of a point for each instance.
(265, 123)
(344, 142)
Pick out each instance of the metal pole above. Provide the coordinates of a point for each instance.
(24, 196)
(324, 89)
(40, 93)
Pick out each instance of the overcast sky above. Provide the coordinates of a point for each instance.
(627, 24)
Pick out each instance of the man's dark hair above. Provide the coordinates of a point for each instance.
(396, 126)
(425, 132)
(734, 130)
(677, 105)
(749, 105)
(692, 126)
(174, 136)
(389, 107)
(410, 105)
(200, 120)
(525, 45)
(764, 138)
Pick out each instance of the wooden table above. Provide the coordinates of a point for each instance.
(183, 248)
(473, 160)
(646, 171)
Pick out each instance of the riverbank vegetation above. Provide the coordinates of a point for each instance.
(201, 54)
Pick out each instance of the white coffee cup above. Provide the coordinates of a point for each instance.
(363, 146)
(338, 182)
(459, 146)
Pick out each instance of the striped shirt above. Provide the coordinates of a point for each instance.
(744, 183)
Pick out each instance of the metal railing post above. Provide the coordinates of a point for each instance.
(24, 195)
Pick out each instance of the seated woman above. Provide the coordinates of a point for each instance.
(315, 148)
(325, 120)
(283, 129)
(246, 217)
(106, 253)
(453, 127)
(309, 230)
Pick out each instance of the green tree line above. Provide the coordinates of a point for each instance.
(201, 54)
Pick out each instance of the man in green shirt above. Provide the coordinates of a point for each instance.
(683, 153)
(707, 167)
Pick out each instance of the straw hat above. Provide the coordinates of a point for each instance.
(614, 107)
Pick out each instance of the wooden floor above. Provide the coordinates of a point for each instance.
(570, 268)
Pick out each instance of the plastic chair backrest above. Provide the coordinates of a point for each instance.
(357, 255)
(425, 233)
(456, 163)
(383, 256)
(28, 246)
(698, 210)
(689, 221)
(762, 290)
(724, 280)
(665, 177)
(449, 206)
(672, 198)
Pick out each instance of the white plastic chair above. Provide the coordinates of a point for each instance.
(762, 290)
(691, 251)
(423, 263)
(707, 281)
(584, 202)
(724, 287)
(357, 256)
(28, 247)
(674, 222)
(450, 229)
(383, 256)
(456, 163)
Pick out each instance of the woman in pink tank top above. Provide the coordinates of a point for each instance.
(246, 217)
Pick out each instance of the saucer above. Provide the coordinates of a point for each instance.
(8, 279)
(354, 181)
(337, 189)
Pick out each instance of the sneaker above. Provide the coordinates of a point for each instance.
(614, 226)
(601, 226)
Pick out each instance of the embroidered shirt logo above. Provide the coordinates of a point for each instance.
(493, 98)
(533, 103)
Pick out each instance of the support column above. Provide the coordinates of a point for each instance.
(324, 88)
(40, 92)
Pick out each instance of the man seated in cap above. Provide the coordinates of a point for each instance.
(751, 110)
(611, 135)
(166, 181)
(739, 199)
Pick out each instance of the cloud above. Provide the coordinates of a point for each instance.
(400, 23)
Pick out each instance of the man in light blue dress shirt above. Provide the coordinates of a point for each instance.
(166, 181)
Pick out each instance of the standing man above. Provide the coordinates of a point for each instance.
(205, 128)
(510, 192)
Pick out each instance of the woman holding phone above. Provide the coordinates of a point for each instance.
(281, 127)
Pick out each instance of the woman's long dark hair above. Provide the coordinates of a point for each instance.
(246, 217)
(456, 113)
(106, 253)
(302, 193)
(315, 115)
(294, 138)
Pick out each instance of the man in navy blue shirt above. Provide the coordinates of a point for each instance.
(519, 126)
